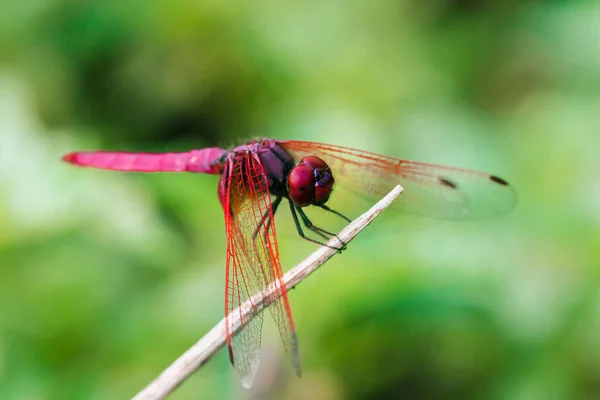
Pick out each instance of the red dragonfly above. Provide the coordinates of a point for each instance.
(258, 175)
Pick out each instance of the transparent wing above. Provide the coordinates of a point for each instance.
(430, 190)
(252, 264)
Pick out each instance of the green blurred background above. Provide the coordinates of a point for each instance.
(105, 278)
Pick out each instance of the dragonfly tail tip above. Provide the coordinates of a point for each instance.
(70, 158)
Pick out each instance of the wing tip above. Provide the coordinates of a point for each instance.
(250, 375)
(247, 381)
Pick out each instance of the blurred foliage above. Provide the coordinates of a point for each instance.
(105, 278)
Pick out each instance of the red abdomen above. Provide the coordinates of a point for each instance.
(204, 161)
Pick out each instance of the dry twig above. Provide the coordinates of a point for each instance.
(208, 345)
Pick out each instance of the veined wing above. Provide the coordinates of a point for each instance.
(430, 190)
(252, 265)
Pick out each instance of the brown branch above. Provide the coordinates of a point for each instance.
(208, 345)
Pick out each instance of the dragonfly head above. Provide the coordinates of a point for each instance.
(310, 182)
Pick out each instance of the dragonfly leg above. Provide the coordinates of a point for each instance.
(301, 232)
(339, 214)
(318, 230)
(266, 220)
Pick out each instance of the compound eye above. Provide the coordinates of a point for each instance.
(301, 185)
(314, 162)
(323, 178)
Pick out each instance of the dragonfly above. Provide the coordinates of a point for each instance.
(258, 175)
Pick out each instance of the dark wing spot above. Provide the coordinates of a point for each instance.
(498, 180)
(448, 183)
(230, 354)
